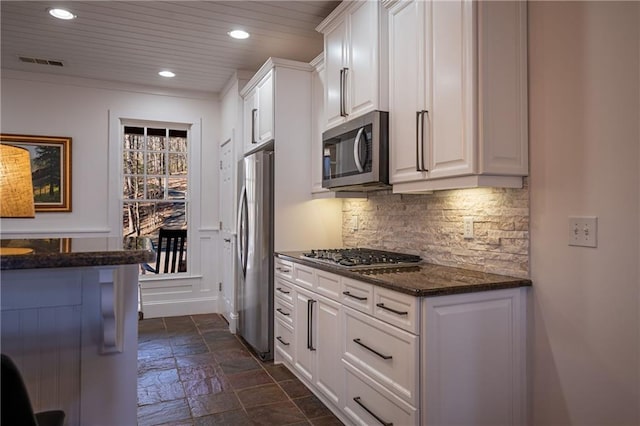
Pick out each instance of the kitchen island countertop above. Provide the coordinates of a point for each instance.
(423, 280)
(75, 252)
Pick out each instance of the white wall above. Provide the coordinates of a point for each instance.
(40, 104)
(584, 150)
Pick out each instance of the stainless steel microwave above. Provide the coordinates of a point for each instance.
(356, 154)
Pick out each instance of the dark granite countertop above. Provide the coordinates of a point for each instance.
(424, 280)
(75, 252)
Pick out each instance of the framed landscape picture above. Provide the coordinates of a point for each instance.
(50, 169)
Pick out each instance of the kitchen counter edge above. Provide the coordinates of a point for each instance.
(98, 254)
(439, 286)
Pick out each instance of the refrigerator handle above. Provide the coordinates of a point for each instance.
(242, 231)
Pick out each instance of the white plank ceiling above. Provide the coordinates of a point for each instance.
(131, 41)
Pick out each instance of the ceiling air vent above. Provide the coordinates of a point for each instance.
(41, 61)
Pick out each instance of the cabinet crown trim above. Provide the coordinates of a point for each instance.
(268, 66)
(318, 61)
(388, 4)
(336, 13)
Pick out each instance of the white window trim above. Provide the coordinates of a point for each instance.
(117, 121)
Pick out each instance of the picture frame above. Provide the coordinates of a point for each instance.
(50, 169)
(40, 245)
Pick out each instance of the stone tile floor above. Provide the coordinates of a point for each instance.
(193, 372)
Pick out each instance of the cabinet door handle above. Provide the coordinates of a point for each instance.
(381, 305)
(282, 269)
(282, 291)
(418, 115)
(343, 97)
(227, 240)
(283, 312)
(342, 114)
(425, 118)
(382, 422)
(282, 341)
(372, 350)
(346, 293)
(253, 125)
(310, 303)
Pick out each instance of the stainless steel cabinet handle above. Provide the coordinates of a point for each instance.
(283, 312)
(310, 303)
(342, 114)
(343, 92)
(282, 269)
(282, 341)
(381, 305)
(425, 118)
(372, 350)
(418, 115)
(227, 240)
(346, 293)
(357, 399)
(253, 125)
(282, 291)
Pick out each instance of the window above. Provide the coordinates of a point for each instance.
(155, 182)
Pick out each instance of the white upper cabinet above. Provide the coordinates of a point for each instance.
(258, 113)
(356, 49)
(318, 121)
(457, 95)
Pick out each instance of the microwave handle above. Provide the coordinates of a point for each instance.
(356, 150)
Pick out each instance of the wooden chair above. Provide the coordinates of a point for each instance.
(16, 409)
(172, 241)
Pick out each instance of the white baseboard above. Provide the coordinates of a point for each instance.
(233, 322)
(175, 308)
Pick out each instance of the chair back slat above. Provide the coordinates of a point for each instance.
(173, 242)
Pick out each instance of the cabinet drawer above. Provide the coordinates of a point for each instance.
(399, 309)
(357, 295)
(304, 276)
(328, 284)
(284, 311)
(368, 404)
(283, 268)
(283, 290)
(385, 353)
(283, 343)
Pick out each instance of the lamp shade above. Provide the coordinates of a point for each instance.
(16, 186)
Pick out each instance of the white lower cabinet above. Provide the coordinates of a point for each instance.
(304, 350)
(376, 356)
(329, 375)
(284, 344)
(474, 358)
(387, 354)
(368, 403)
(317, 347)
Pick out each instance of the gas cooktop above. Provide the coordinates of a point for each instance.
(362, 258)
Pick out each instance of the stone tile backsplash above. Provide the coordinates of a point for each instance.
(432, 226)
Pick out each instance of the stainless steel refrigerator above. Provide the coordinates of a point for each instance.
(255, 251)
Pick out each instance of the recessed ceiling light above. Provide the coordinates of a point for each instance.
(167, 74)
(239, 34)
(61, 13)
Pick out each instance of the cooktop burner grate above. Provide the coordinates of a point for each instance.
(361, 258)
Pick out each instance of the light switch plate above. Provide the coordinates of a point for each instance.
(354, 223)
(583, 231)
(468, 228)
